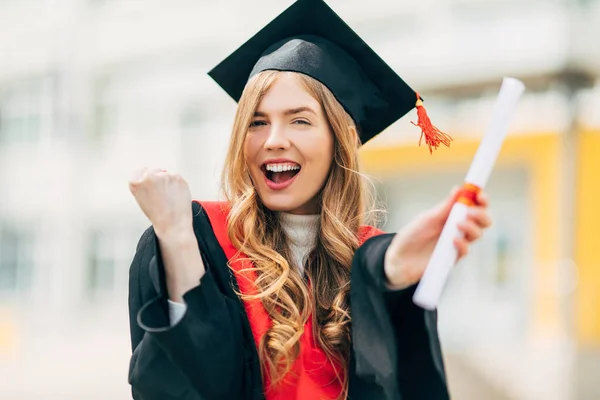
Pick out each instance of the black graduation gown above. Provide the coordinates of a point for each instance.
(210, 354)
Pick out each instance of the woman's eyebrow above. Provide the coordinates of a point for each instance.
(290, 111)
(298, 110)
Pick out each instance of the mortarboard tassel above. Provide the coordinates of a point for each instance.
(433, 136)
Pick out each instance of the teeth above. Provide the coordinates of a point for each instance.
(282, 167)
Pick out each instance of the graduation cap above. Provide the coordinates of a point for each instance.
(310, 38)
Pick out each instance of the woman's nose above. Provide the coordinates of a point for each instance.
(277, 139)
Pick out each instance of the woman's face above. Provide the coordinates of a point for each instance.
(289, 148)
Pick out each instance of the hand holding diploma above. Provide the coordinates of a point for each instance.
(410, 250)
(445, 253)
(427, 248)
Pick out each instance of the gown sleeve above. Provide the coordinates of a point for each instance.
(396, 351)
(176, 312)
(200, 356)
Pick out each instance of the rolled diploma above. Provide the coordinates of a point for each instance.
(444, 255)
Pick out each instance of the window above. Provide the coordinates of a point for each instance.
(16, 261)
(23, 105)
(105, 108)
(100, 274)
(110, 252)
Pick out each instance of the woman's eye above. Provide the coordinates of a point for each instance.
(254, 124)
(301, 122)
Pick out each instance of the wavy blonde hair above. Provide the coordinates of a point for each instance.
(256, 231)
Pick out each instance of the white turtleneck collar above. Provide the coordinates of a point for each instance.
(301, 231)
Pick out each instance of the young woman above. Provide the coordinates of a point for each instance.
(283, 291)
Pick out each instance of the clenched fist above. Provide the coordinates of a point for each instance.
(165, 198)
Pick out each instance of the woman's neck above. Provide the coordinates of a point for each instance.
(301, 231)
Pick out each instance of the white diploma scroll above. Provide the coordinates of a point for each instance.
(444, 255)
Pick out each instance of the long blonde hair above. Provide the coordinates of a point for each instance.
(255, 231)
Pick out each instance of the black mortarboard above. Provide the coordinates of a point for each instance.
(310, 38)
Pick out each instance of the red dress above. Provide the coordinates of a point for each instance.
(312, 375)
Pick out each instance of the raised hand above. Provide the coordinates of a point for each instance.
(165, 199)
(410, 250)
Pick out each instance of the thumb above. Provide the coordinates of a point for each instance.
(442, 210)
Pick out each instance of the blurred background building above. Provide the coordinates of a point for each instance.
(91, 90)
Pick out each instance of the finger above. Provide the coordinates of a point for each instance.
(442, 210)
(470, 230)
(179, 178)
(157, 171)
(138, 174)
(480, 216)
(462, 248)
(482, 199)
(145, 174)
(149, 173)
(132, 187)
(454, 192)
(136, 179)
(155, 174)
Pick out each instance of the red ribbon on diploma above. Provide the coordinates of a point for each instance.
(468, 194)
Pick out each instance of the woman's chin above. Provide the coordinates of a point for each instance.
(287, 203)
(280, 205)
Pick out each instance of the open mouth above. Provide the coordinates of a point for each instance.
(280, 173)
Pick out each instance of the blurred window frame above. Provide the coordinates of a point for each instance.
(109, 252)
(27, 109)
(17, 261)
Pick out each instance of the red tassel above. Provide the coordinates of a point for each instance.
(433, 136)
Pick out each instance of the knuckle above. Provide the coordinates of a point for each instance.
(155, 176)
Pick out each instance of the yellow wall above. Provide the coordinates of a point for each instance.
(540, 155)
(587, 245)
